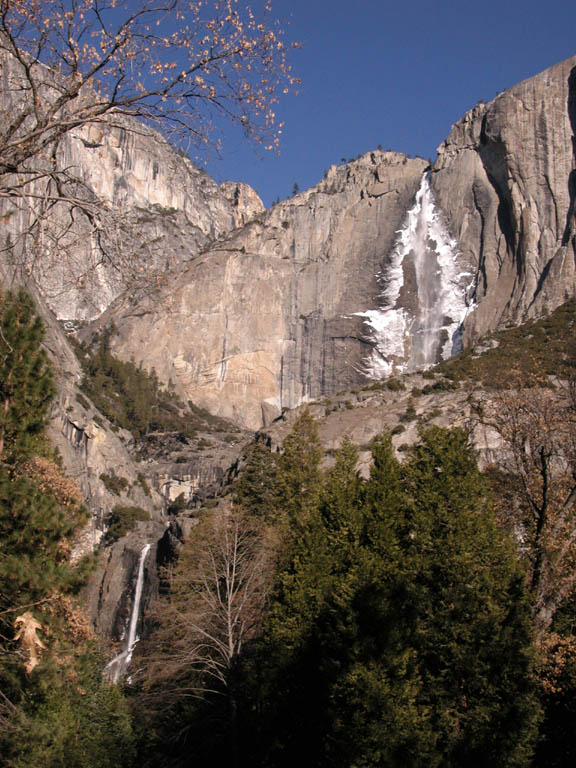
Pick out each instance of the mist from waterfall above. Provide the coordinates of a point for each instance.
(424, 296)
(117, 668)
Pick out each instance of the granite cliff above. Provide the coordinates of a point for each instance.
(127, 209)
(265, 318)
(386, 265)
(505, 179)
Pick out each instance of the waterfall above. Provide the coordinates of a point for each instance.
(117, 668)
(424, 296)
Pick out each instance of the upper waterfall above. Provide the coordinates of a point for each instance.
(425, 296)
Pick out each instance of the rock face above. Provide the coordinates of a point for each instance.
(505, 179)
(111, 592)
(161, 209)
(386, 265)
(151, 209)
(379, 267)
(268, 317)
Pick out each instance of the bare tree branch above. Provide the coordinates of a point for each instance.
(67, 68)
(537, 427)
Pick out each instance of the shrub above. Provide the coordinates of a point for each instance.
(395, 385)
(114, 483)
(82, 401)
(141, 480)
(409, 414)
(124, 519)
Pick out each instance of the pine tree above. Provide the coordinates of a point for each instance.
(34, 530)
(258, 487)
(341, 498)
(401, 632)
(300, 469)
(54, 709)
(467, 609)
(26, 383)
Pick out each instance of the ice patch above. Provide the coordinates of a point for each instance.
(405, 341)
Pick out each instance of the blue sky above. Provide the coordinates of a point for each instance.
(396, 74)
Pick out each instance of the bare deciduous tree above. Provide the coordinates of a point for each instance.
(536, 481)
(218, 594)
(170, 62)
(179, 66)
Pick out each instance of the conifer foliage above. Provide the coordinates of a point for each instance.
(55, 710)
(401, 632)
(26, 384)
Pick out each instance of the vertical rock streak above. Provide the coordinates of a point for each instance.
(424, 297)
(117, 668)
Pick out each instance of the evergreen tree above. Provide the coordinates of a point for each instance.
(34, 530)
(341, 498)
(73, 718)
(54, 708)
(300, 470)
(401, 632)
(26, 384)
(257, 488)
(464, 611)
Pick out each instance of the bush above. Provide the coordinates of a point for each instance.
(141, 480)
(124, 519)
(409, 414)
(178, 505)
(83, 402)
(114, 483)
(395, 385)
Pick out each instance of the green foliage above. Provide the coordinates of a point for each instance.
(538, 347)
(83, 402)
(258, 487)
(467, 608)
(26, 383)
(114, 483)
(54, 709)
(74, 720)
(34, 528)
(178, 505)
(400, 634)
(409, 414)
(395, 385)
(143, 484)
(440, 385)
(300, 469)
(124, 519)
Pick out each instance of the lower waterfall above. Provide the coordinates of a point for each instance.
(117, 668)
(424, 298)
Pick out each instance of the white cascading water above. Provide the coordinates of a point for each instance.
(426, 327)
(117, 668)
